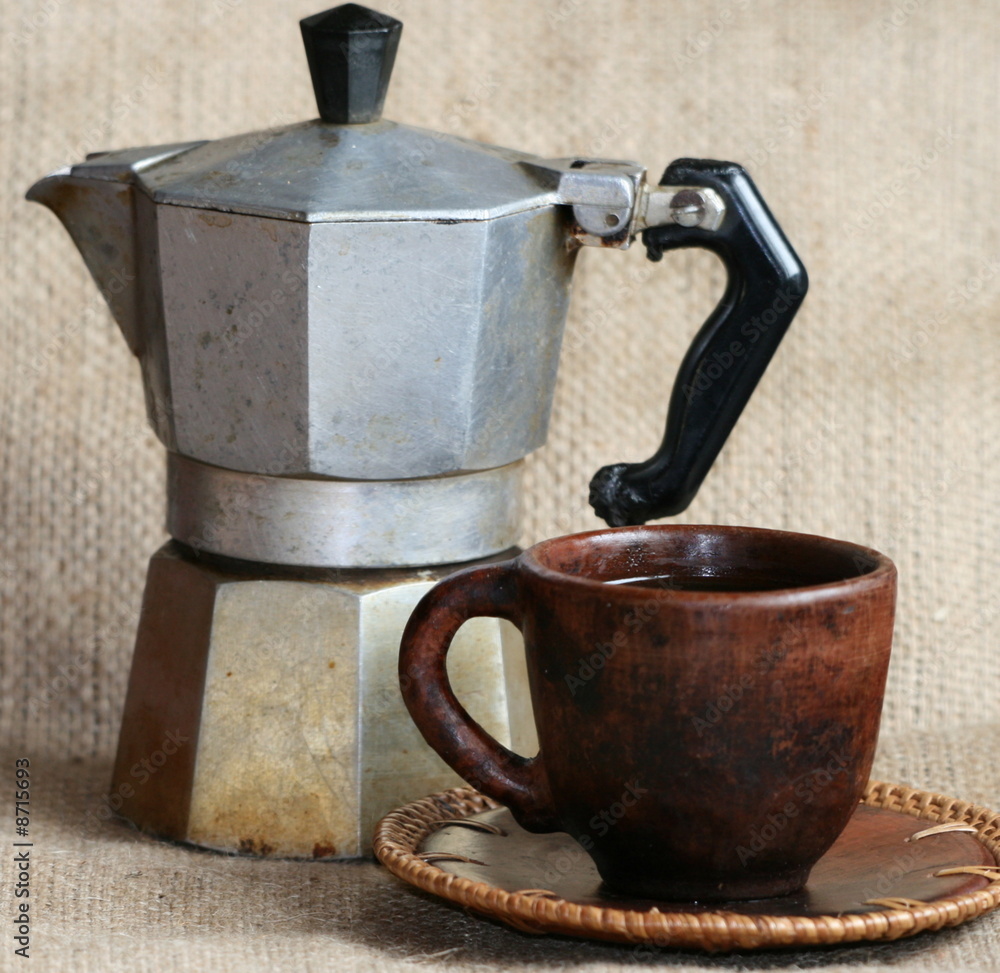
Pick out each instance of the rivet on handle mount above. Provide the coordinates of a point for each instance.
(719, 209)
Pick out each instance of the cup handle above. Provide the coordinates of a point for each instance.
(518, 782)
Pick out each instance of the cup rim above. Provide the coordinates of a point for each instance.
(883, 569)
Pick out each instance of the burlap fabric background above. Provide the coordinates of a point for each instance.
(870, 128)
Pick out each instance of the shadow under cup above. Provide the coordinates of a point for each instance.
(707, 699)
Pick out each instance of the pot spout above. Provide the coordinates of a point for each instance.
(96, 202)
(100, 217)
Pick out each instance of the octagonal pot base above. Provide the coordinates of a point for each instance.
(263, 713)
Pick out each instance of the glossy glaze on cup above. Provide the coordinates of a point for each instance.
(698, 744)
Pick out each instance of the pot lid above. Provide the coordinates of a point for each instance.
(320, 172)
(350, 164)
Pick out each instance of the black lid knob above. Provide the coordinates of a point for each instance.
(351, 51)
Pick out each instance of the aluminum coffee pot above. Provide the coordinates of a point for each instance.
(349, 331)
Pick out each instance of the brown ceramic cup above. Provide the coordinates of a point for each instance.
(704, 734)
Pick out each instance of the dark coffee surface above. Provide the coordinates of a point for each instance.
(750, 581)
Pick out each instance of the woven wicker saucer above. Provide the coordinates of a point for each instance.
(886, 877)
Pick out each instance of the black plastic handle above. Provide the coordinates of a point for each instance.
(767, 283)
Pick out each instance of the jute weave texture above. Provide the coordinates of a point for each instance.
(870, 129)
